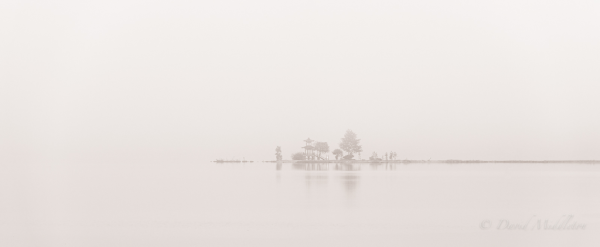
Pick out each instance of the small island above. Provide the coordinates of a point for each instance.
(318, 152)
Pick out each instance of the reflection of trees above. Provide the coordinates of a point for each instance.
(374, 166)
(311, 166)
(350, 182)
(316, 179)
(382, 166)
(278, 168)
(347, 167)
(349, 179)
(341, 166)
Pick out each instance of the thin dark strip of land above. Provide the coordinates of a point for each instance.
(438, 161)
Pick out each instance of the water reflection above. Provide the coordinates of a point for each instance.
(278, 168)
(331, 166)
(345, 174)
(383, 166)
(350, 183)
(311, 166)
(348, 176)
(316, 179)
(347, 167)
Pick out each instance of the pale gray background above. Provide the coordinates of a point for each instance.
(189, 81)
(111, 110)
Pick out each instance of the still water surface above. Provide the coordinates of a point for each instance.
(268, 204)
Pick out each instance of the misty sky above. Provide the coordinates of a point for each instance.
(188, 81)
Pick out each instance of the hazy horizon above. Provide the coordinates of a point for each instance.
(185, 82)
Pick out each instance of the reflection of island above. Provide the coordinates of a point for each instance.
(349, 179)
(350, 183)
(340, 166)
(382, 166)
(316, 179)
(311, 166)
(347, 167)
(325, 166)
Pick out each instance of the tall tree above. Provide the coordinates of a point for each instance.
(350, 144)
(278, 153)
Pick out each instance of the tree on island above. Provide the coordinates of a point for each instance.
(374, 157)
(393, 155)
(298, 156)
(337, 153)
(348, 157)
(321, 147)
(278, 153)
(350, 144)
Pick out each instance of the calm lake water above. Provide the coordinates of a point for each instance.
(265, 204)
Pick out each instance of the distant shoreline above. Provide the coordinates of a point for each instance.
(439, 161)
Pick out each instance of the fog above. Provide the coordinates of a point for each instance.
(185, 82)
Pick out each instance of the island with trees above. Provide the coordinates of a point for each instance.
(349, 146)
(318, 152)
